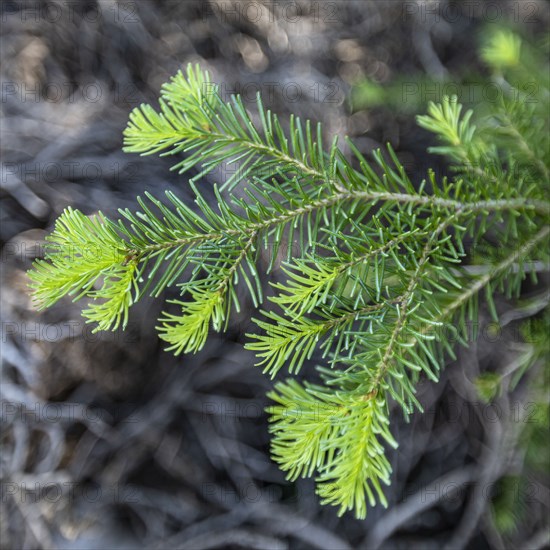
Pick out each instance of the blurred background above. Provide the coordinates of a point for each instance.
(110, 442)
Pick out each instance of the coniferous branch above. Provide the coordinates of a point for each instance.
(456, 306)
(313, 280)
(338, 434)
(79, 253)
(379, 268)
(290, 342)
(308, 423)
(212, 132)
(166, 242)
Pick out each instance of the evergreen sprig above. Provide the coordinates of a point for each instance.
(376, 265)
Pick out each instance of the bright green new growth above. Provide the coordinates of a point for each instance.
(377, 272)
